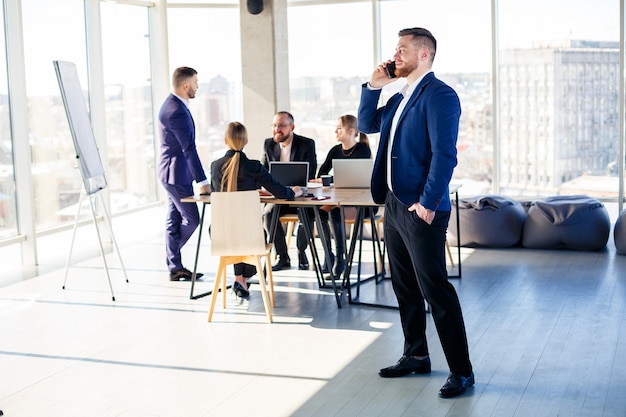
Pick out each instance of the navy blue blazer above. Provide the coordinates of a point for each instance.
(424, 148)
(251, 176)
(179, 162)
(302, 150)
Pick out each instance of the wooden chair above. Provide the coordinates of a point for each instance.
(449, 252)
(237, 236)
(291, 219)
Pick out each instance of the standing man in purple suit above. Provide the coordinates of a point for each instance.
(179, 166)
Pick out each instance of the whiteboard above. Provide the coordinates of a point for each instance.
(80, 125)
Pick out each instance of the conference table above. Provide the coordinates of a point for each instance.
(318, 197)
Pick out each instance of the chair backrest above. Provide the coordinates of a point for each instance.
(236, 224)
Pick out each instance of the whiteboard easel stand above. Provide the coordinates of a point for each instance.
(95, 222)
(87, 153)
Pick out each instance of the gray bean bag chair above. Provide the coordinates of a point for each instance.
(487, 221)
(567, 222)
(619, 233)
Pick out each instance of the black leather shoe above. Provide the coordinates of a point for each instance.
(405, 366)
(340, 266)
(456, 385)
(303, 261)
(283, 263)
(240, 291)
(183, 275)
(325, 268)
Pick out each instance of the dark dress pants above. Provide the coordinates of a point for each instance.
(181, 221)
(334, 216)
(418, 271)
(280, 243)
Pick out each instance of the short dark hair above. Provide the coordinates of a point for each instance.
(286, 113)
(181, 74)
(421, 36)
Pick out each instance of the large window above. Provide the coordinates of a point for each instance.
(559, 97)
(8, 220)
(128, 103)
(52, 31)
(208, 40)
(463, 61)
(327, 69)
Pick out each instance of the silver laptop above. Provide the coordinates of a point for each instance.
(352, 173)
(290, 173)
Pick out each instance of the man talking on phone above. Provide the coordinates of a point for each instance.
(413, 168)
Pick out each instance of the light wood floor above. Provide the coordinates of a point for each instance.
(547, 334)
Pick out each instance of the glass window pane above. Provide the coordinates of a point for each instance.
(52, 31)
(211, 2)
(208, 40)
(8, 219)
(128, 103)
(327, 69)
(559, 97)
(463, 61)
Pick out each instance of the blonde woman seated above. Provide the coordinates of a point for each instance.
(235, 172)
(347, 148)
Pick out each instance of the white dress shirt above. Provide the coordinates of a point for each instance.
(407, 91)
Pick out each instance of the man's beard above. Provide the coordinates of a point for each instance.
(405, 70)
(282, 138)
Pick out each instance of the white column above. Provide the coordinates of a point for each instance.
(265, 69)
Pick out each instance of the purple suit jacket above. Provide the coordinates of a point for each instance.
(179, 162)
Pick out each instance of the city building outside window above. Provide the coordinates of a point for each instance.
(128, 105)
(559, 98)
(208, 40)
(52, 31)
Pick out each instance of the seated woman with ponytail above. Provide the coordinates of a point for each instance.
(235, 172)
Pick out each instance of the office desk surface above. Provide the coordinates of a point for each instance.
(338, 196)
(334, 196)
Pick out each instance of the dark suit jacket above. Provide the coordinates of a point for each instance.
(424, 148)
(251, 176)
(179, 162)
(302, 150)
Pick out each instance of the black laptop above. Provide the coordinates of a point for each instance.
(290, 173)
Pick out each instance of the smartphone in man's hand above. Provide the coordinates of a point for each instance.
(391, 69)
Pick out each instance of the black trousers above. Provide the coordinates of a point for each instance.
(418, 271)
(280, 243)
